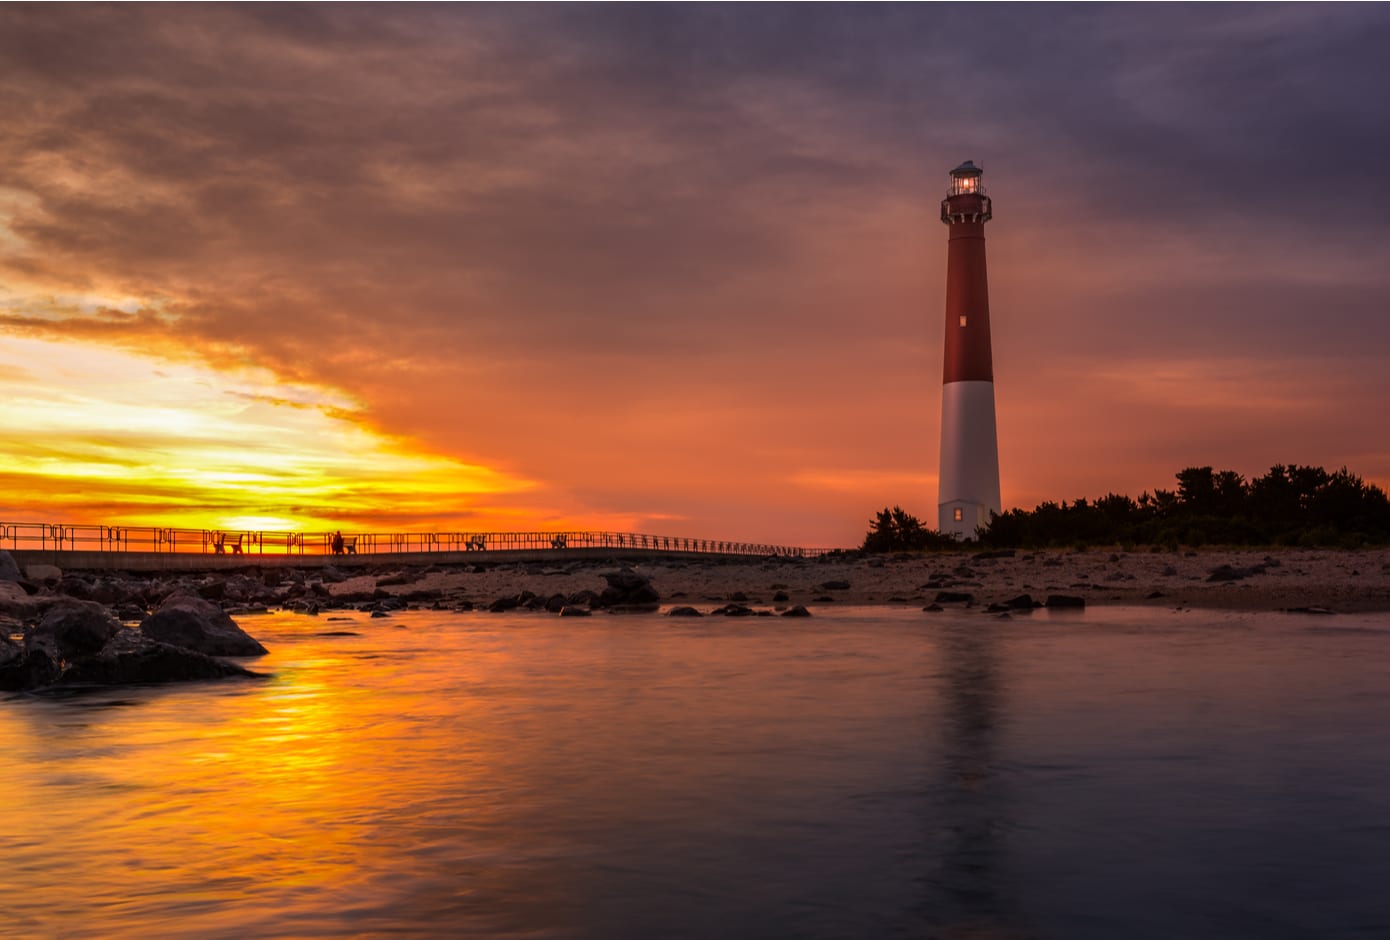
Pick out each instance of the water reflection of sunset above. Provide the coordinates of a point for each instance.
(861, 773)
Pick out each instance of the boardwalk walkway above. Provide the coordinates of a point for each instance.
(142, 548)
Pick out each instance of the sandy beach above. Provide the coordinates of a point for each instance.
(1339, 581)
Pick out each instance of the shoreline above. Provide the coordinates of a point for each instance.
(1351, 581)
(1333, 580)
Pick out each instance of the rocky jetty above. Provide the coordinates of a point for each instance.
(79, 643)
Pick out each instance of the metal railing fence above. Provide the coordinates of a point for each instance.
(100, 538)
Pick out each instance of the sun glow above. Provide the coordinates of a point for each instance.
(99, 435)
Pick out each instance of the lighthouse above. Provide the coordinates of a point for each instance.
(969, 482)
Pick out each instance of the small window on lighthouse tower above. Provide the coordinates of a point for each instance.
(958, 514)
(962, 319)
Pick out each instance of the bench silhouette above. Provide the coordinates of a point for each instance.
(220, 543)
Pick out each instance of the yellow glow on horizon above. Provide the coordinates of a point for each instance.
(101, 435)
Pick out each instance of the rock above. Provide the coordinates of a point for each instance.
(43, 573)
(568, 611)
(1065, 600)
(193, 623)
(11, 664)
(556, 604)
(419, 595)
(585, 598)
(15, 601)
(991, 556)
(628, 591)
(502, 604)
(738, 596)
(9, 571)
(132, 657)
(1227, 573)
(683, 612)
(22, 668)
(74, 629)
(626, 579)
(797, 611)
(79, 588)
(933, 609)
(733, 610)
(780, 597)
(1322, 611)
(1022, 602)
(954, 597)
(835, 586)
(997, 609)
(1154, 595)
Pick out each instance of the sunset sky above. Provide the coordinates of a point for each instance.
(673, 269)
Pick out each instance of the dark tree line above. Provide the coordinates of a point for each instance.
(1289, 505)
(897, 531)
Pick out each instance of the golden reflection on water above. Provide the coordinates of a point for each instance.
(197, 798)
(467, 771)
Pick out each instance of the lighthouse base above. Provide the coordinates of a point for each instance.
(969, 484)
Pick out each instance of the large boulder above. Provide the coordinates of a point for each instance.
(628, 590)
(15, 601)
(72, 629)
(11, 663)
(43, 573)
(9, 571)
(131, 657)
(22, 668)
(193, 623)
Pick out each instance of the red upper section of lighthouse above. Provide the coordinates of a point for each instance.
(966, 209)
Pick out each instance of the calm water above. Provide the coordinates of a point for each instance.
(866, 773)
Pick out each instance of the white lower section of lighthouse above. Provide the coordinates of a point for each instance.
(969, 483)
